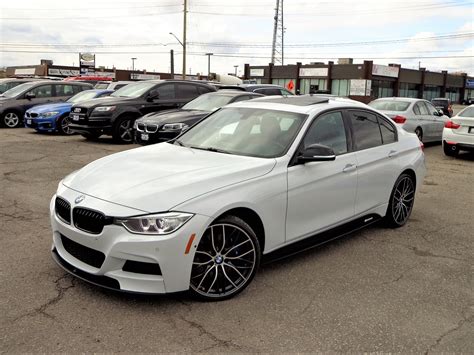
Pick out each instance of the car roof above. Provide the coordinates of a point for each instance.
(231, 92)
(260, 86)
(407, 99)
(305, 104)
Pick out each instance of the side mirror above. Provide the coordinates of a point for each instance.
(440, 113)
(153, 95)
(316, 152)
(30, 96)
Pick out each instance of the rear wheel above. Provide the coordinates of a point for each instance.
(450, 149)
(419, 133)
(226, 260)
(62, 125)
(401, 201)
(123, 130)
(11, 119)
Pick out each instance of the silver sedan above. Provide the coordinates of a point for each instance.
(414, 115)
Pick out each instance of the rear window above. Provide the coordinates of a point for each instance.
(386, 105)
(467, 112)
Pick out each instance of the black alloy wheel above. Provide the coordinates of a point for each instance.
(401, 201)
(62, 125)
(11, 119)
(123, 130)
(419, 133)
(226, 260)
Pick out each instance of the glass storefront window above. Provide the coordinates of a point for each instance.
(340, 87)
(305, 85)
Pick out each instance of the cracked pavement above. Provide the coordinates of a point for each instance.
(377, 290)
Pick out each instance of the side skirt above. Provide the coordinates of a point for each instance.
(320, 239)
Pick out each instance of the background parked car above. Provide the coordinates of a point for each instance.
(14, 102)
(9, 83)
(162, 126)
(264, 89)
(114, 85)
(458, 133)
(443, 104)
(414, 115)
(89, 79)
(55, 117)
(116, 114)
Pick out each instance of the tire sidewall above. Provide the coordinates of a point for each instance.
(238, 222)
(389, 217)
(59, 126)
(116, 130)
(3, 124)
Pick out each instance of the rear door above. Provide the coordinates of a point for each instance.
(322, 194)
(424, 120)
(166, 99)
(186, 92)
(375, 143)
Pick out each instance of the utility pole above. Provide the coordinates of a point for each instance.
(172, 63)
(184, 38)
(209, 64)
(236, 66)
(278, 33)
(133, 68)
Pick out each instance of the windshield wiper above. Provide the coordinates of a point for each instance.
(212, 149)
(179, 142)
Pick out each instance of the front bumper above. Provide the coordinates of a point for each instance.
(84, 129)
(41, 124)
(152, 138)
(120, 247)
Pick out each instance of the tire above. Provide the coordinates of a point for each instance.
(401, 201)
(123, 130)
(91, 136)
(11, 119)
(62, 125)
(419, 133)
(449, 151)
(216, 276)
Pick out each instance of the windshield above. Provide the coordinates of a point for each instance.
(467, 112)
(133, 90)
(390, 105)
(83, 96)
(245, 131)
(208, 102)
(18, 90)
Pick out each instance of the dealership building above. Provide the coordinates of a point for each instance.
(364, 82)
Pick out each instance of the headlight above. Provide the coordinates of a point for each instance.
(49, 114)
(163, 223)
(174, 126)
(104, 109)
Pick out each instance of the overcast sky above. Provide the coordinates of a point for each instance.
(238, 32)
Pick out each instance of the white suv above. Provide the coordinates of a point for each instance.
(249, 181)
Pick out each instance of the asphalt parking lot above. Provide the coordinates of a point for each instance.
(379, 290)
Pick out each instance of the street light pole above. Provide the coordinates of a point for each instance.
(209, 64)
(133, 68)
(184, 53)
(236, 66)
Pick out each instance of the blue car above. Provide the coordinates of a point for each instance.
(55, 117)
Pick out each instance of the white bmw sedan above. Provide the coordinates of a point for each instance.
(250, 181)
(458, 133)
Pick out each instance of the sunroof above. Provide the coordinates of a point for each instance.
(295, 100)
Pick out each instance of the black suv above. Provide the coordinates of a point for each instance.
(14, 102)
(115, 115)
(444, 104)
(162, 126)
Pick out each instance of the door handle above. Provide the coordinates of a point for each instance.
(392, 154)
(349, 167)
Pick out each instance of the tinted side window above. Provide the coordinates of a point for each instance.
(64, 90)
(268, 92)
(423, 109)
(285, 92)
(242, 98)
(77, 89)
(416, 109)
(203, 90)
(387, 130)
(43, 91)
(118, 86)
(431, 109)
(166, 91)
(366, 130)
(187, 91)
(328, 129)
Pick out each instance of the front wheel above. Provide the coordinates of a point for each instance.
(62, 125)
(11, 120)
(226, 260)
(123, 130)
(401, 201)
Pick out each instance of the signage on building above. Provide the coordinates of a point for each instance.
(313, 72)
(62, 72)
(257, 72)
(145, 76)
(86, 63)
(470, 83)
(385, 70)
(25, 71)
(360, 87)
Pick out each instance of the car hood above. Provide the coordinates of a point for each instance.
(173, 116)
(105, 101)
(158, 177)
(51, 107)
